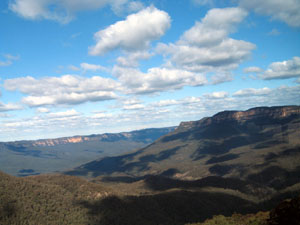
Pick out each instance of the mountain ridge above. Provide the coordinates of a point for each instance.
(248, 144)
(275, 112)
(93, 137)
(23, 158)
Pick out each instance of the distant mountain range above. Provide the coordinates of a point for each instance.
(233, 162)
(260, 145)
(22, 158)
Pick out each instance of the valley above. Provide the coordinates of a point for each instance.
(232, 168)
(23, 158)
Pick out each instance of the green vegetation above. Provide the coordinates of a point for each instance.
(213, 171)
(60, 199)
(45, 200)
(260, 218)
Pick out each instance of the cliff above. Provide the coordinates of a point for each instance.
(258, 113)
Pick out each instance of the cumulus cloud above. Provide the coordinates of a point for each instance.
(216, 95)
(287, 11)
(130, 104)
(252, 92)
(202, 2)
(283, 70)
(221, 78)
(214, 27)
(135, 6)
(206, 46)
(165, 112)
(65, 90)
(92, 67)
(68, 113)
(253, 69)
(42, 110)
(74, 68)
(64, 11)
(131, 59)
(9, 107)
(156, 79)
(134, 33)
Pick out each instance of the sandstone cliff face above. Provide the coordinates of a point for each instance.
(145, 135)
(59, 141)
(242, 116)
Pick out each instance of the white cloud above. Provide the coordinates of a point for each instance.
(92, 67)
(162, 113)
(216, 95)
(5, 115)
(221, 78)
(134, 33)
(131, 59)
(64, 11)
(9, 59)
(74, 68)
(128, 104)
(253, 69)
(68, 113)
(206, 46)
(251, 92)
(65, 90)
(135, 6)
(5, 63)
(214, 27)
(202, 2)
(12, 57)
(42, 110)
(165, 103)
(283, 70)
(9, 107)
(287, 11)
(133, 107)
(156, 79)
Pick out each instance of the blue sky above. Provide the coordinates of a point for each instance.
(74, 67)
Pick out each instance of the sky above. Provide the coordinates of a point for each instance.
(73, 67)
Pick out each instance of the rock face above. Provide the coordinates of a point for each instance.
(144, 136)
(269, 113)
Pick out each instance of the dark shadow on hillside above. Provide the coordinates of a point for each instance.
(160, 183)
(285, 153)
(24, 151)
(21, 150)
(180, 135)
(220, 137)
(222, 170)
(7, 209)
(276, 177)
(109, 165)
(224, 158)
(216, 148)
(174, 208)
(131, 179)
